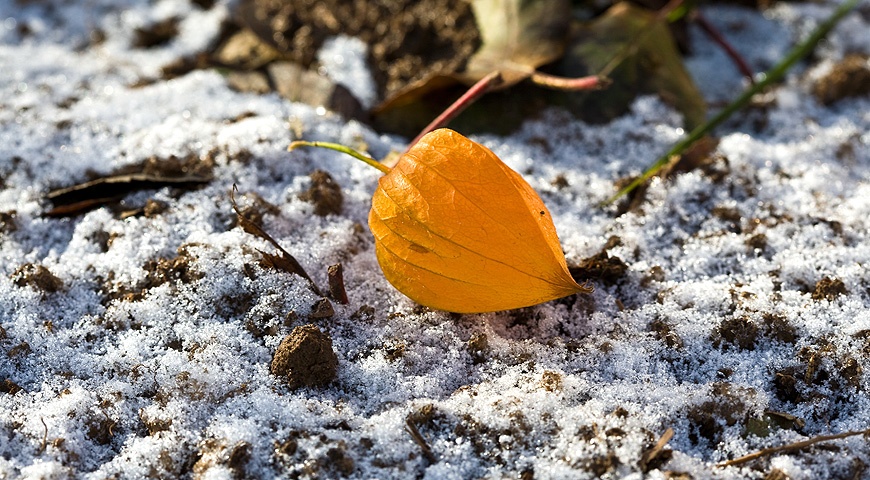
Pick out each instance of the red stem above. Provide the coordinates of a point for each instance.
(592, 82)
(463, 102)
(719, 39)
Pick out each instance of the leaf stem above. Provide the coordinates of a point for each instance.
(591, 82)
(343, 149)
(463, 102)
(720, 40)
(769, 77)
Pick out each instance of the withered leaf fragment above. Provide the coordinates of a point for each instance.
(283, 261)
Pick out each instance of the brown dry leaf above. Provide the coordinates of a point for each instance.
(283, 261)
(518, 37)
(86, 196)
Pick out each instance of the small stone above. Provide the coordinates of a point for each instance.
(305, 358)
(245, 50)
(156, 35)
(248, 82)
(297, 84)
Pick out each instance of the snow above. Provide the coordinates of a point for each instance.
(177, 382)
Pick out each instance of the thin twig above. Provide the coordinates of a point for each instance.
(790, 447)
(774, 74)
(463, 102)
(44, 436)
(411, 427)
(650, 455)
(720, 40)
(592, 82)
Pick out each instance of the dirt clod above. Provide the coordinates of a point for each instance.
(215, 452)
(154, 208)
(36, 276)
(305, 358)
(340, 460)
(600, 266)
(10, 387)
(851, 371)
(829, 289)
(478, 345)
(322, 309)
(324, 193)
(665, 332)
(7, 222)
(728, 405)
(156, 35)
(849, 78)
(740, 332)
(786, 385)
(776, 326)
(551, 381)
(757, 242)
(100, 429)
(408, 40)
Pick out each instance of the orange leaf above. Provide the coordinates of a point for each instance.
(456, 229)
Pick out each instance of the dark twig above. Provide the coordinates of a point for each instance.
(729, 49)
(44, 443)
(791, 447)
(476, 91)
(411, 427)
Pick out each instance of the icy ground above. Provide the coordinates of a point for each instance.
(746, 300)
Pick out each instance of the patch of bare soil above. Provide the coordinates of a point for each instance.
(408, 40)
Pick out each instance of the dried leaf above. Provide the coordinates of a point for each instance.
(649, 62)
(456, 229)
(96, 193)
(518, 37)
(283, 261)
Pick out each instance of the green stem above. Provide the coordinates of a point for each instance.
(774, 74)
(343, 149)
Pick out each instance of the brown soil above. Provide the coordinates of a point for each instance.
(305, 358)
(407, 39)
